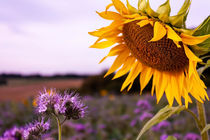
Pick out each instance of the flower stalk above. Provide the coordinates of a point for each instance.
(59, 128)
(202, 119)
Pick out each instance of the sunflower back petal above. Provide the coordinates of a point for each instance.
(164, 11)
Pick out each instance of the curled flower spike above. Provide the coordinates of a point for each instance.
(72, 107)
(35, 130)
(153, 45)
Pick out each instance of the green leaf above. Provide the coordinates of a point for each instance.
(163, 114)
(185, 7)
(171, 138)
(131, 8)
(200, 50)
(206, 128)
(203, 29)
(179, 19)
(164, 11)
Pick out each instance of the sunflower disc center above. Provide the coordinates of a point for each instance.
(162, 55)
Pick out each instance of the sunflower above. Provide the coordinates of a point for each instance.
(153, 46)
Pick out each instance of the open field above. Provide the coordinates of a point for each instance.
(20, 89)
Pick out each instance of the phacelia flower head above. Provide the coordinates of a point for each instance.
(145, 116)
(144, 105)
(47, 101)
(192, 136)
(162, 127)
(71, 106)
(14, 133)
(163, 137)
(35, 130)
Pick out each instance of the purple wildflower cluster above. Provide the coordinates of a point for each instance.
(192, 136)
(14, 133)
(35, 130)
(49, 102)
(71, 106)
(142, 110)
(68, 105)
(162, 127)
(29, 132)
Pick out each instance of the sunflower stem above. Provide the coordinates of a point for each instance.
(202, 119)
(195, 118)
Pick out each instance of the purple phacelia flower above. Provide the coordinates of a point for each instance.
(163, 137)
(162, 127)
(137, 110)
(144, 105)
(178, 136)
(71, 106)
(80, 127)
(14, 133)
(35, 130)
(47, 101)
(133, 122)
(145, 116)
(192, 136)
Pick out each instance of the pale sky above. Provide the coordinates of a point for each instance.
(51, 36)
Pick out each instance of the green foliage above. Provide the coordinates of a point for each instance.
(203, 29)
(171, 138)
(206, 128)
(163, 114)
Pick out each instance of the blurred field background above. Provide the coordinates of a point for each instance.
(112, 115)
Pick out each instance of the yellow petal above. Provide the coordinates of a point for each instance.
(113, 26)
(137, 68)
(143, 23)
(118, 62)
(108, 6)
(114, 51)
(154, 80)
(190, 55)
(145, 77)
(108, 34)
(103, 44)
(159, 31)
(133, 16)
(109, 15)
(192, 67)
(168, 91)
(171, 34)
(138, 18)
(177, 44)
(120, 7)
(131, 84)
(175, 89)
(193, 40)
(126, 67)
(163, 81)
(151, 23)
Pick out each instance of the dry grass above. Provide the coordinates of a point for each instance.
(23, 89)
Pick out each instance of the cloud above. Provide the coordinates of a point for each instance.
(50, 36)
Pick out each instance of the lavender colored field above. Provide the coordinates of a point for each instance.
(109, 117)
